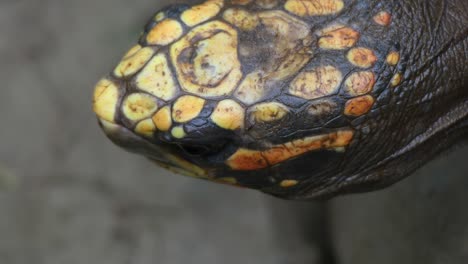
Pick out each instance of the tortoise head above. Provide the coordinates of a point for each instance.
(270, 95)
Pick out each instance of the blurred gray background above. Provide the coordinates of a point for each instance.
(67, 195)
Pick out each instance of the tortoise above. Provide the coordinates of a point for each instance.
(300, 99)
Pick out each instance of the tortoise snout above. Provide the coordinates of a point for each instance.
(173, 134)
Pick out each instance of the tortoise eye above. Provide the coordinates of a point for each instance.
(195, 150)
(202, 149)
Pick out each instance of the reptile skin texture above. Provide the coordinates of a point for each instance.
(299, 99)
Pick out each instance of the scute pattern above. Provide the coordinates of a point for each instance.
(267, 112)
(359, 83)
(157, 78)
(292, 44)
(133, 61)
(318, 82)
(137, 106)
(201, 13)
(255, 74)
(206, 60)
(165, 32)
(228, 114)
(338, 37)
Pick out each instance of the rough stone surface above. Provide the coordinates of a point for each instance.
(67, 195)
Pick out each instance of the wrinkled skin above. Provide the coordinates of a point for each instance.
(407, 124)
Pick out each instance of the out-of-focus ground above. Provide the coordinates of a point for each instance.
(67, 195)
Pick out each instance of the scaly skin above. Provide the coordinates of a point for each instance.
(297, 98)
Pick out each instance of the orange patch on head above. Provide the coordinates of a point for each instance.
(145, 128)
(201, 13)
(362, 57)
(165, 32)
(359, 83)
(246, 159)
(338, 37)
(106, 96)
(393, 58)
(138, 106)
(162, 119)
(383, 18)
(314, 7)
(228, 114)
(186, 108)
(133, 61)
(157, 78)
(319, 82)
(359, 105)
